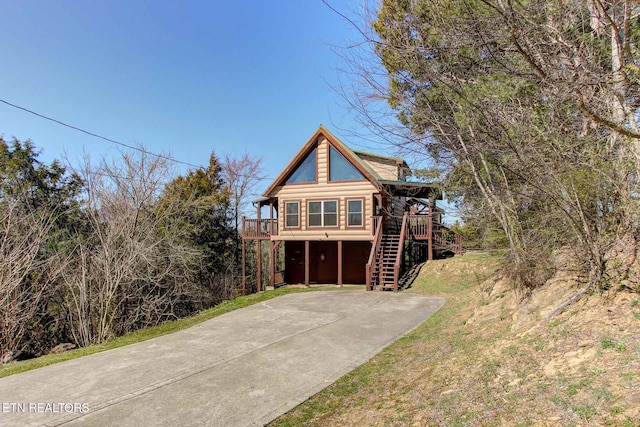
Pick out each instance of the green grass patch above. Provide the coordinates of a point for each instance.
(585, 412)
(159, 330)
(452, 281)
(610, 343)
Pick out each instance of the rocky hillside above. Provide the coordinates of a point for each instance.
(574, 355)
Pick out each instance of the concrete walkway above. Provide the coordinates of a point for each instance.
(243, 368)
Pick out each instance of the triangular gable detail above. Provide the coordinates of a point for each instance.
(341, 169)
(306, 171)
(311, 144)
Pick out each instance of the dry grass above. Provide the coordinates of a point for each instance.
(486, 359)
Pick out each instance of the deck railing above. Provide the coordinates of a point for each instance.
(376, 221)
(261, 229)
(418, 226)
(373, 255)
(421, 227)
(444, 236)
(398, 262)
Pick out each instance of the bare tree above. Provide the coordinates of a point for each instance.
(242, 175)
(130, 267)
(22, 235)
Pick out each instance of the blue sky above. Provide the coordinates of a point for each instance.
(180, 78)
(185, 78)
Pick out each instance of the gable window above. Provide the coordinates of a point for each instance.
(323, 213)
(292, 214)
(306, 171)
(354, 213)
(340, 169)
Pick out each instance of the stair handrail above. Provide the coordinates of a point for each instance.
(377, 238)
(398, 263)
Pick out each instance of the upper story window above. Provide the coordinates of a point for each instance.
(292, 214)
(340, 169)
(306, 171)
(354, 213)
(323, 213)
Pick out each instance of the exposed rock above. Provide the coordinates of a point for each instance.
(545, 302)
(570, 361)
(633, 405)
(15, 356)
(502, 302)
(576, 358)
(61, 348)
(7, 357)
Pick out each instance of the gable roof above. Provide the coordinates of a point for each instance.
(311, 143)
(385, 159)
(352, 156)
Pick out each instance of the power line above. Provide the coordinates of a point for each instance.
(132, 147)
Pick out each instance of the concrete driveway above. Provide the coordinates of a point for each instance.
(243, 368)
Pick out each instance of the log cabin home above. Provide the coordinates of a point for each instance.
(340, 216)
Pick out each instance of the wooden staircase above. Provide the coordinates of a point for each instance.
(387, 254)
(387, 262)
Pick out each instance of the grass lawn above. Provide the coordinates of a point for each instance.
(159, 330)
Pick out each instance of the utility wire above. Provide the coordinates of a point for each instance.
(132, 147)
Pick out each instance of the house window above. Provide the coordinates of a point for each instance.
(340, 169)
(323, 213)
(354, 213)
(306, 171)
(292, 214)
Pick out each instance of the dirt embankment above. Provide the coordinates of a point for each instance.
(574, 355)
(493, 356)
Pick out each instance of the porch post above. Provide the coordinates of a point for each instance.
(306, 263)
(272, 263)
(244, 273)
(271, 217)
(430, 234)
(339, 262)
(259, 244)
(377, 201)
(272, 246)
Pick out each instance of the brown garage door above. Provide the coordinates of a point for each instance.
(354, 261)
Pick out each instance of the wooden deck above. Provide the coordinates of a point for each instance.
(259, 229)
